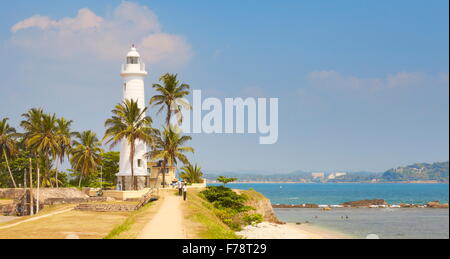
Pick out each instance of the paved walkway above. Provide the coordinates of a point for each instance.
(168, 222)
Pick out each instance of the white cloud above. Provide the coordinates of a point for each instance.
(103, 38)
(85, 20)
(333, 79)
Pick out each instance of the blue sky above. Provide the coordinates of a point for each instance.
(363, 85)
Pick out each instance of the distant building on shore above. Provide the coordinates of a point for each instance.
(336, 175)
(318, 175)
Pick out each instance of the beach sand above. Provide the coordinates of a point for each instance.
(267, 230)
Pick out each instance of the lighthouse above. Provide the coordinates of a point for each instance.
(133, 74)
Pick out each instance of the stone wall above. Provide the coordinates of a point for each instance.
(58, 201)
(106, 207)
(47, 196)
(6, 209)
(44, 193)
(11, 194)
(142, 182)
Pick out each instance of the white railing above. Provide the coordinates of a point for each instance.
(133, 68)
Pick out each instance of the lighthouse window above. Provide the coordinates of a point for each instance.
(139, 163)
(125, 87)
(132, 60)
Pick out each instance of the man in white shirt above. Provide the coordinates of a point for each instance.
(180, 188)
(185, 191)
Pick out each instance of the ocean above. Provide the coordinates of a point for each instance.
(383, 223)
(332, 194)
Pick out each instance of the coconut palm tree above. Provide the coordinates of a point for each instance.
(85, 153)
(8, 144)
(171, 97)
(65, 135)
(192, 174)
(30, 124)
(42, 140)
(129, 123)
(169, 147)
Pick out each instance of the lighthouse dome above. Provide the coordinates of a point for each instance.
(133, 52)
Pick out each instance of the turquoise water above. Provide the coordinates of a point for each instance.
(331, 194)
(385, 223)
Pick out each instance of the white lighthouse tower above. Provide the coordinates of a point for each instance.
(133, 74)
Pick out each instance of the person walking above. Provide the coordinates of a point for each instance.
(185, 191)
(180, 188)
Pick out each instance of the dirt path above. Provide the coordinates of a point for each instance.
(168, 222)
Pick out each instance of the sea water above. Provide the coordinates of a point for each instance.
(332, 194)
(384, 223)
(360, 223)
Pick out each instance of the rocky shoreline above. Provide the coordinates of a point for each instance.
(377, 203)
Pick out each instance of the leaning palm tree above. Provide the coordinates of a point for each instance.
(169, 147)
(65, 135)
(85, 153)
(8, 144)
(192, 174)
(130, 124)
(171, 97)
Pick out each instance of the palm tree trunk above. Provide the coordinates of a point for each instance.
(9, 169)
(169, 116)
(79, 182)
(49, 173)
(164, 172)
(31, 189)
(57, 165)
(38, 186)
(132, 164)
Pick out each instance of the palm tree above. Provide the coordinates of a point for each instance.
(192, 174)
(8, 145)
(32, 125)
(42, 140)
(169, 147)
(171, 97)
(129, 123)
(65, 135)
(85, 154)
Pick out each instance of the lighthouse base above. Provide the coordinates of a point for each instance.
(125, 183)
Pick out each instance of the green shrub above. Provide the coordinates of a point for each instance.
(253, 219)
(223, 197)
(229, 206)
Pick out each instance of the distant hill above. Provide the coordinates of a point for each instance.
(419, 172)
(297, 176)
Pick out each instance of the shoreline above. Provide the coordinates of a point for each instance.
(268, 230)
(281, 182)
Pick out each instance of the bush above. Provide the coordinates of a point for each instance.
(253, 219)
(225, 198)
(229, 206)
